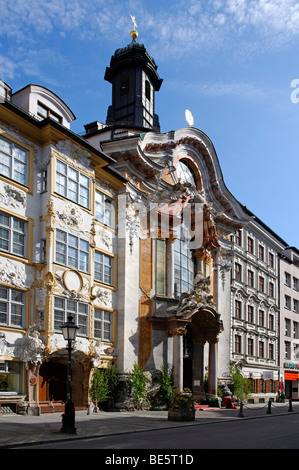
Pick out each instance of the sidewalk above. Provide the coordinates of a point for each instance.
(22, 430)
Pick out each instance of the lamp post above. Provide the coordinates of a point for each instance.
(69, 331)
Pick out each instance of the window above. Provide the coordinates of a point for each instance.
(124, 84)
(147, 90)
(184, 173)
(261, 349)
(78, 310)
(287, 302)
(250, 245)
(12, 234)
(271, 351)
(250, 313)
(261, 284)
(10, 377)
(238, 238)
(103, 268)
(261, 253)
(250, 347)
(295, 330)
(287, 327)
(261, 317)
(13, 161)
(271, 260)
(295, 305)
(271, 321)
(238, 344)
(271, 289)
(104, 209)
(287, 279)
(183, 264)
(287, 350)
(44, 112)
(161, 267)
(12, 307)
(250, 278)
(238, 309)
(71, 251)
(295, 283)
(238, 272)
(72, 184)
(102, 325)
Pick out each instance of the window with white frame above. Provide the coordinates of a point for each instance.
(103, 270)
(13, 161)
(102, 325)
(13, 233)
(71, 251)
(63, 308)
(295, 305)
(72, 184)
(104, 209)
(12, 307)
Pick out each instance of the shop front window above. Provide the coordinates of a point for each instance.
(10, 377)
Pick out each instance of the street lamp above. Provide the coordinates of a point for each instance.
(69, 331)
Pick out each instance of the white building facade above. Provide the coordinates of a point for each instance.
(289, 322)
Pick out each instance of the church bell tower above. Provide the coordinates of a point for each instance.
(134, 78)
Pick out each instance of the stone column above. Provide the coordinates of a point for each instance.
(213, 363)
(178, 359)
(198, 367)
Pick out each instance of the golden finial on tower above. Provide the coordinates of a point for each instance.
(134, 33)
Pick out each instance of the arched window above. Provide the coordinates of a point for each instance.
(184, 173)
(183, 263)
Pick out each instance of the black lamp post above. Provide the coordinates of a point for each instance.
(69, 331)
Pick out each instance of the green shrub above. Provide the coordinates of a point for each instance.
(137, 381)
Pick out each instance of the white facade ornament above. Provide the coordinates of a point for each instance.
(33, 348)
(14, 274)
(97, 350)
(197, 298)
(70, 216)
(13, 197)
(74, 152)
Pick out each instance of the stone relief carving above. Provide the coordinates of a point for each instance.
(103, 236)
(13, 197)
(102, 296)
(33, 348)
(14, 274)
(75, 153)
(70, 215)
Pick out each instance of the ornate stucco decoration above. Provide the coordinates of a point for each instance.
(71, 216)
(33, 347)
(13, 197)
(197, 298)
(15, 274)
(74, 153)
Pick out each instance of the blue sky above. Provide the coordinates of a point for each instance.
(231, 62)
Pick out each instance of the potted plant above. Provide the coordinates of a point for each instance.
(181, 407)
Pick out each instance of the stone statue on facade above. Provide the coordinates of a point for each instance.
(199, 297)
(33, 348)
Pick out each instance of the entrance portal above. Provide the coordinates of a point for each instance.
(53, 382)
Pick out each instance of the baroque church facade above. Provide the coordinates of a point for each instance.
(133, 233)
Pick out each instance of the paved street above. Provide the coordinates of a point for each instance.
(213, 428)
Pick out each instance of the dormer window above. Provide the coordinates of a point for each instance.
(44, 112)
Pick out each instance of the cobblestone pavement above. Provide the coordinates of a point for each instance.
(22, 430)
